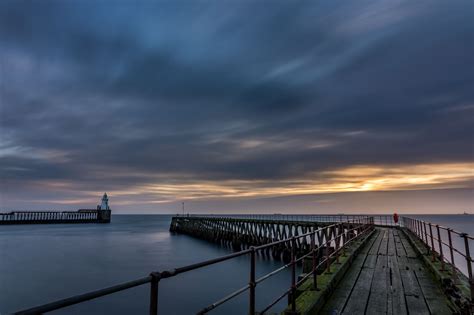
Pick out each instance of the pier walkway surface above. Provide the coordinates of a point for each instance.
(350, 265)
(387, 277)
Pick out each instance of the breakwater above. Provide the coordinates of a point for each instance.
(55, 217)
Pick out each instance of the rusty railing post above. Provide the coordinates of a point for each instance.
(314, 261)
(451, 253)
(344, 239)
(328, 261)
(155, 279)
(293, 275)
(421, 229)
(425, 235)
(337, 240)
(440, 244)
(433, 257)
(469, 265)
(252, 282)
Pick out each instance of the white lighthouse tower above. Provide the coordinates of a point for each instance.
(105, 203)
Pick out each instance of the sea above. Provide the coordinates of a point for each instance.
(43, 263)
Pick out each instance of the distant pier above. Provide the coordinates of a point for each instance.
(101, 214)
(55, 217)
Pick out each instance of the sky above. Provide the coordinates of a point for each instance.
(238, 106)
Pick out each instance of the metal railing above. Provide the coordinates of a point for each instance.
(323, 218)
(332, 243)
(379, 219)
(445, 245)
(384, 220)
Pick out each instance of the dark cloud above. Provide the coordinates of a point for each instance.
(119, 96)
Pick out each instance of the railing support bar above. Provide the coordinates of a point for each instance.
(469, 266)
(328, 260)
(433, 256)
(451, 253)
(154, 292)
(314, 261)
(440, 244)
(425, 234)
(293, 275)
(252, 282)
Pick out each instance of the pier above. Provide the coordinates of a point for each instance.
(102, 214)
(241, 233)
(350, 265)
(55, 217)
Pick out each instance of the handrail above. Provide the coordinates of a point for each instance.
(431, 236)
(379, 219)
(339, 234)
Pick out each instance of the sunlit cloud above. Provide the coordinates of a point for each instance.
(351, 179)
(360, 178)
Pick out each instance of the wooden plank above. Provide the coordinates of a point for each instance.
(372, 255)
(413, 295)
(397, 296)
(360, 294)
(374, 250)
(389, 280)
(416, 306)
(408, 248)
(391, 251)
(403, 263)
(371, 243)
(384, 244)
(339, 297)
(378, 297)
(434, 297)
(410, 284)
(434, 301)
(371, 261)
(398, 244)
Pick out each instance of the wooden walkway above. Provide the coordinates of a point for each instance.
(387, 278)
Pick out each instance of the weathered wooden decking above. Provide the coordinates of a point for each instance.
(387, 278)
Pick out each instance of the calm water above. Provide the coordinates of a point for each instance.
(41, 263)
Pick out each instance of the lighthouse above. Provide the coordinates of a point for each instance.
(105, 203)
(103, 210)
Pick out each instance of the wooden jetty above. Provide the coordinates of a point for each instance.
(354, 265)
(386, 277)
